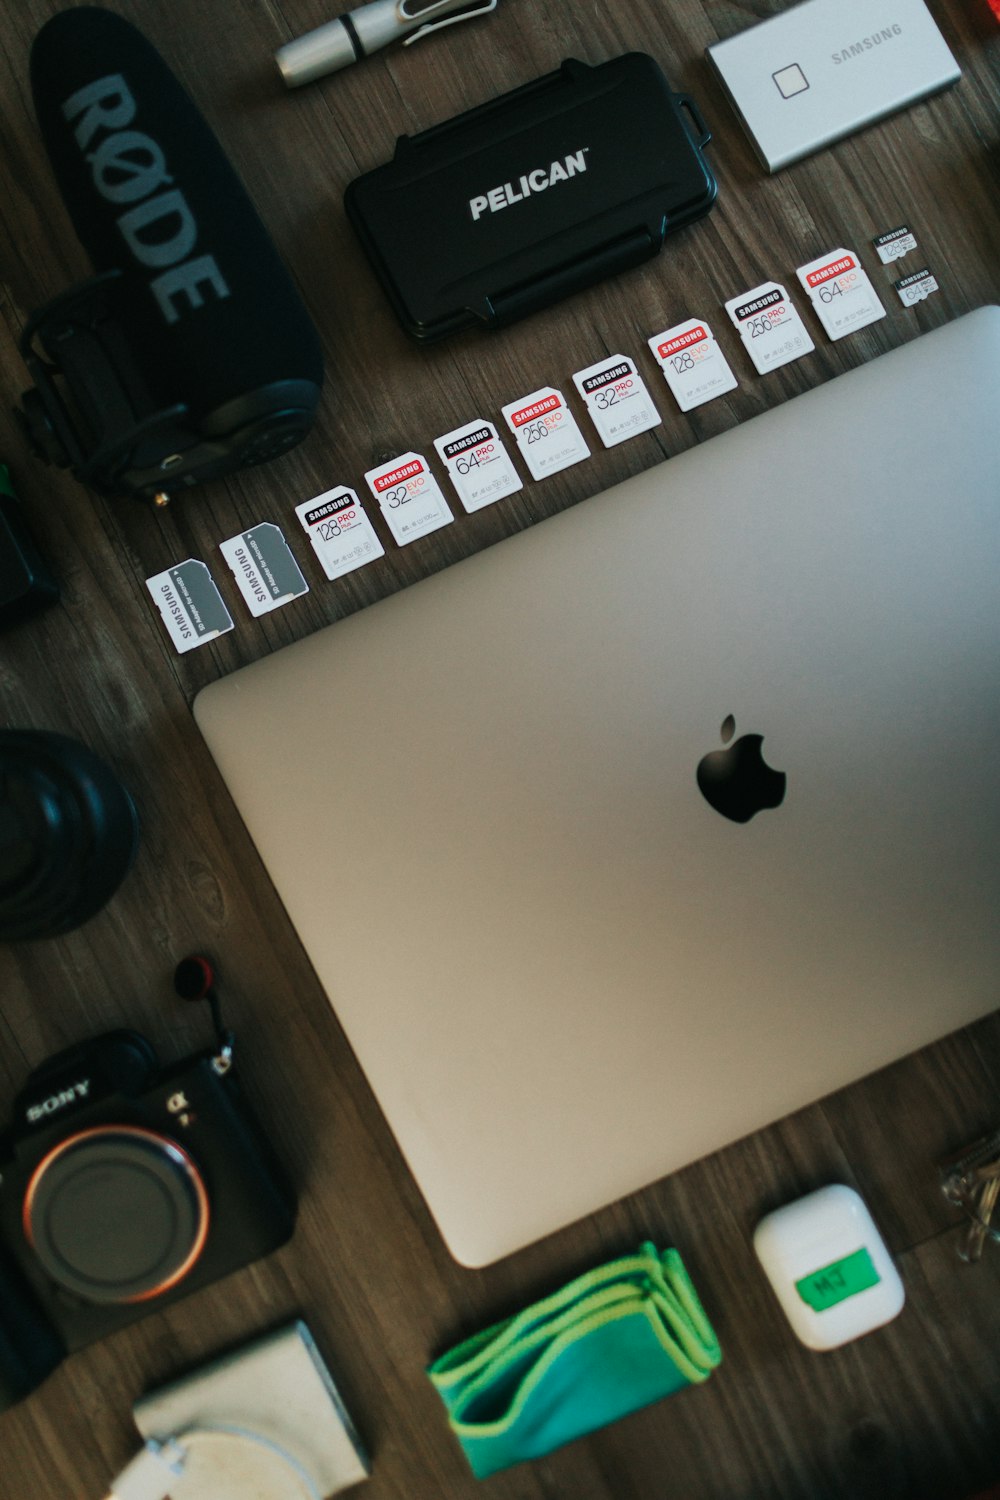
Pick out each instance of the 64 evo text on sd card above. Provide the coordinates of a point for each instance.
(842, 296)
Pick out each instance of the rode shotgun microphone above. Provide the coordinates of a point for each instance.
(190, 353)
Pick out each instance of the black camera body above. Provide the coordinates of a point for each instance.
(124, 1187)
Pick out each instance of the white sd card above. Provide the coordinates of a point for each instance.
(616, 397)
(478, 464)
(693, 365)
(546, 430)
(192, 608)
(266, 573)
(773, 334)
(842, 296)
(409, 497)
(894, 244)
(342, 536)
(916, 286)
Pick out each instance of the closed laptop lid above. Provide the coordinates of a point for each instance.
(564, 971)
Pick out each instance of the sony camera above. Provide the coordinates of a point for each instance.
(124, 1187)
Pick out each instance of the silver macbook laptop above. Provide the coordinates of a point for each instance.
(665, 817)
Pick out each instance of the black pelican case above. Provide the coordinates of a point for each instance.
(545, 190)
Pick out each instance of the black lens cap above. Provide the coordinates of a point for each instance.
(117, 1214)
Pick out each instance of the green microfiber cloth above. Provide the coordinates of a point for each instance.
(612, 1341)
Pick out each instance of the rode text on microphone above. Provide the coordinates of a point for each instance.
(189, 354)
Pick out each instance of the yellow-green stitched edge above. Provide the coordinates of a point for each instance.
(689, 1341)
(460, 1363)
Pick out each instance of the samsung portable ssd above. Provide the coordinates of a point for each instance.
(826, 68)
(545, 190)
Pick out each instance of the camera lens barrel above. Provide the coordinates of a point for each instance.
(68, 834)
(117, 1214)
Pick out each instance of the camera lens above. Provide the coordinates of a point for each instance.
(68, 834)
(116, 1214)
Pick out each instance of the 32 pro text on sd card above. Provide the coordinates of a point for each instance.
(616, 397)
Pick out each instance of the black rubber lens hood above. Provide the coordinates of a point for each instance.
(68, 834)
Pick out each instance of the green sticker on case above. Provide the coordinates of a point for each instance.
(839, 1280)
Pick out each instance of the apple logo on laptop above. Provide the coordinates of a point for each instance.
(738, 782)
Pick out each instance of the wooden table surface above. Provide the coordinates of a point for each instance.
(911, 1411)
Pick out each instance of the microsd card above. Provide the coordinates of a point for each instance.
(266, 573)
(773, 334)
(842, 296)
(190, 604)
(895, 243)
(547, 433)
(409, 497)
(916, 286)
(478, 464)
(616, 397)
(342, 536)
(693, 365)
